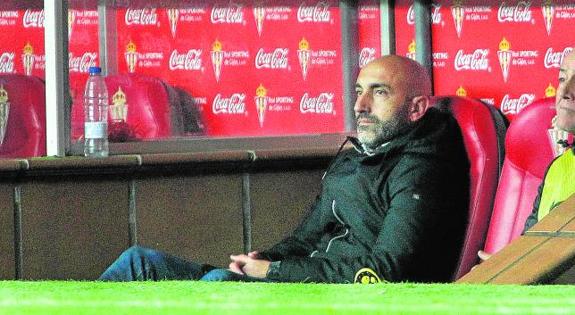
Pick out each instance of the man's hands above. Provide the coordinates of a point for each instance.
(250, 265)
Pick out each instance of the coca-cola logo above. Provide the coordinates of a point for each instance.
(318, 13)
(476, 60)
(435, 14)
(231, 14)
(366, 55)
(141, 17)
(515, 105)
(554, 59)
(33, 18)
(191, 60)
(7, 62)
(518, 13)
(234, 104)
(322, 104)
(277, 59)
(82, 63)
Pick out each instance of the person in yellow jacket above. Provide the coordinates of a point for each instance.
(559, 181)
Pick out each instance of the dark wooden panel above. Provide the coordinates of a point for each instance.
(7, 271)
(73, 228)
(279, 202)
(196, 218)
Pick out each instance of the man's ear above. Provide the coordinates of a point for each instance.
(418, 107)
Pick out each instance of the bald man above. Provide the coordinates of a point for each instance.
(392, 208)
(559, 181)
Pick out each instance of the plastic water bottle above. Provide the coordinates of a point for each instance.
(96, 115)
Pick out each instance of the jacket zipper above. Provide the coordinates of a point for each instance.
(337, 237)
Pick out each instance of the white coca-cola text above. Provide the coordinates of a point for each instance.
(320, 104)
(191, 60)
(554, 59)
(231, 14)
(141, 17)
(476, 60)
(518, 13)
(318, 13)
(33, 18)
(277, 59)
(7, 62)
(82, 63)
(366, 55)
(515, 105)
(234, 104)
(435, 14)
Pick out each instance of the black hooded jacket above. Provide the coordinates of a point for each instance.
(398, 214)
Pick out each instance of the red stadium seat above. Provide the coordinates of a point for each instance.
(141, 107)
(530, 146)
(22, 116)
(483, 130)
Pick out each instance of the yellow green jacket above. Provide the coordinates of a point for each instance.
(558, 185)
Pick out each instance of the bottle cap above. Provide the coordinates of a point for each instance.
(94, 70)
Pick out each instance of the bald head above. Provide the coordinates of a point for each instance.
(409, 73)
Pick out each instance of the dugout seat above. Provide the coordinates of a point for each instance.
(141, 107)
(483, 130)
(530, 144)
(22, 116)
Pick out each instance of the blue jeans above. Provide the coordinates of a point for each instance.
(142, 264)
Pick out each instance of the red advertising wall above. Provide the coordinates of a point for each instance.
(22, 38)
(368, 23)
(252, 69)
(274, 67)
(83, 47)
(23, 53)
(506, 53)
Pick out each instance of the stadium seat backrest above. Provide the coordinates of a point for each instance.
(22, 116)
(140, 101)
(530, 146)
(483, 130)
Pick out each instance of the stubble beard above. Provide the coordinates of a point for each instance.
(380, 131)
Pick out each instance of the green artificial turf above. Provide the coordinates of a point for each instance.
(61, 297)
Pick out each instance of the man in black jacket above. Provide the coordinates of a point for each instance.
(393, 208)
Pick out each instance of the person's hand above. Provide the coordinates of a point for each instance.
(253, 267)
(254, 254)
(483, 256)
(237, 268)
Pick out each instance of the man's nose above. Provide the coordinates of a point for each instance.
(569, 90)
(362, 103)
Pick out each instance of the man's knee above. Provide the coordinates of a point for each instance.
(133, 264)
(138, 252)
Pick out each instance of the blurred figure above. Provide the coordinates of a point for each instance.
(559, 181)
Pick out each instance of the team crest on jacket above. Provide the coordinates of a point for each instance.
(366, 276)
